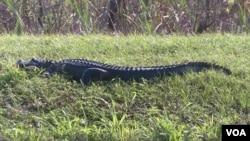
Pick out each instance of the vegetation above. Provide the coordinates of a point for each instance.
(125, 16)
(189, 107)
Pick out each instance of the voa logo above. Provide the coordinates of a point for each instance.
(236, 132)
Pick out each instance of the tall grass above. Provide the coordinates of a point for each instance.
(243, 20)
(19, 25)
(138, 16)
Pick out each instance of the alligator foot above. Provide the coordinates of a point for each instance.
(47, 74)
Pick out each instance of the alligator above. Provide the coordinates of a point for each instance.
(87, 71)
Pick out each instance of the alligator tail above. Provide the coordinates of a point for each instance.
(199, 66)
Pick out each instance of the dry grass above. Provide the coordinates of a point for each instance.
(134, 16)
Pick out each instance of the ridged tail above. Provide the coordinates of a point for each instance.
(199, 66)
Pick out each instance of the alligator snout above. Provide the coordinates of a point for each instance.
(21, 63)
(32, 63)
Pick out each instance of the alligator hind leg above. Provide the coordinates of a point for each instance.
(94, 74)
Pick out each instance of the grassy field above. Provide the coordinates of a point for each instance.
(190, 107)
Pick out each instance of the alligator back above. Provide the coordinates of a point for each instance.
(136, 73)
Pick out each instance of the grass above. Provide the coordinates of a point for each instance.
(190, 107)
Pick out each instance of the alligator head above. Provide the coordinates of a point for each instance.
(39, 63)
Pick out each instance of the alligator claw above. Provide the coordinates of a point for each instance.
(47, 74)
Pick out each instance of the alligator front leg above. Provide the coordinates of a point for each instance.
(94, 74)
(54, 68)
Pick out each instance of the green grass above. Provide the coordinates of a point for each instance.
(190, 107)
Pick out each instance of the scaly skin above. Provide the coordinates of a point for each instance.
(86, 71)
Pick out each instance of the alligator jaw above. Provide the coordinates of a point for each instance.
(39, 63)
(32, 63)
(21, 63)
